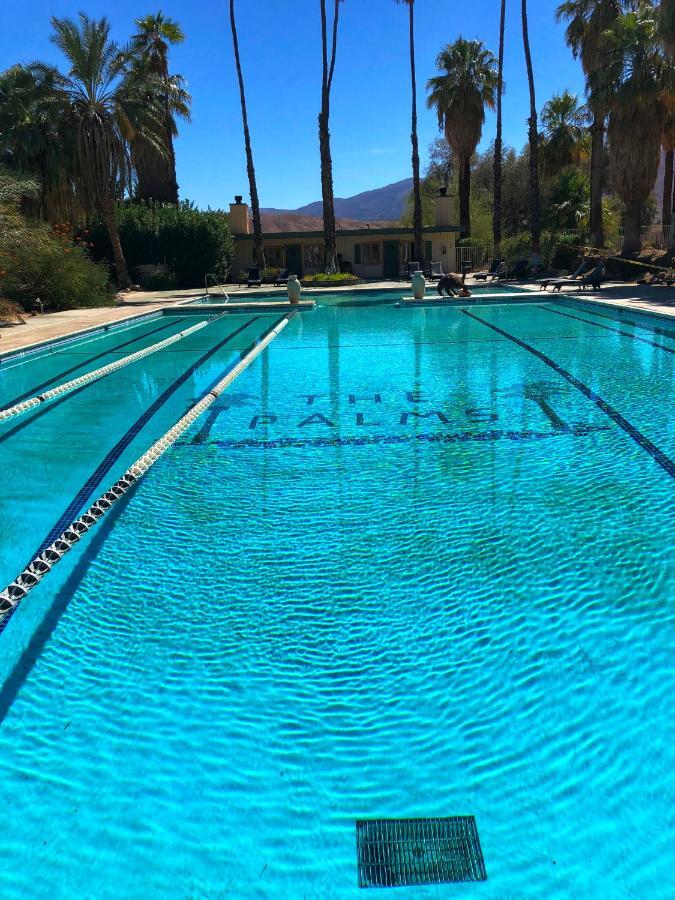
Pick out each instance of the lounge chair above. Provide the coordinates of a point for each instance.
(436, 271)
(593, 279)
(520, 269)
(411, 268)
(496, 270)
(254, 279)
(585, 267)
(282, 278)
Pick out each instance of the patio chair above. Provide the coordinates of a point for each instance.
(282, 278)
(411, 268)
(254, 279)
(520, 269)
(496, 270)
(593, 279)
(436, 271)
(585, 267)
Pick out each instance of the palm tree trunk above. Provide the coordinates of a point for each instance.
(110, 221)
(327, 196)
(597, 180)
(465, 198)
(533, 134)
(417, 193)
(497, 201)
(632, 232)
(667, 214)
(258, 248)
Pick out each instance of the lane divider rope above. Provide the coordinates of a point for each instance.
(33, 402)
(43, 563)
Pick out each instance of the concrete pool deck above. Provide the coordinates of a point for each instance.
(658, 300)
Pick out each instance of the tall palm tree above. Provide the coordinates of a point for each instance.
(258, 248)
(497, 190)
(156, 172)
(635, 89)
(668, 144)
(469, 82)
(104, 109)
(667, 25)
(533, 139)
(417, 192)
(586, 22)
(565, 143)
(329, 237)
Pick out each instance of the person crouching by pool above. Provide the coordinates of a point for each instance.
(453, 285)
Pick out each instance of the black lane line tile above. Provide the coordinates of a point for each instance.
(619, 310)
(85, 362)
(667, 464)
(95, 479)
(78, 502)
(633, 337)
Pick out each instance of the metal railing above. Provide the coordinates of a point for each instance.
(216, 283)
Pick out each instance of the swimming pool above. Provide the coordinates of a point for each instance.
(415, 562)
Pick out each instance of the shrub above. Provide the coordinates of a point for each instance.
(564, 252)
(54, 266)
(160, 281)
(189, 241)
(335, 278)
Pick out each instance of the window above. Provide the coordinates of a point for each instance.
(368, 254)
(275, 257)
(312, 256)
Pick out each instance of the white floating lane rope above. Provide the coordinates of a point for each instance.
(43, 563)
(67, 386)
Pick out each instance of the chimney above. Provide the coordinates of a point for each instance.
(239, 217)
(445, 208)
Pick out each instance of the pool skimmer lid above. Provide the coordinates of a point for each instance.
(397, 852)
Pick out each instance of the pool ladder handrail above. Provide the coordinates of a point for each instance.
(217, 284)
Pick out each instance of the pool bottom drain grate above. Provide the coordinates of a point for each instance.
(397, 852)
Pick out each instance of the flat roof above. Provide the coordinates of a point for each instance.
(351, 232)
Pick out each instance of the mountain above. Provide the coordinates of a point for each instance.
(286, 220)
(385, 204)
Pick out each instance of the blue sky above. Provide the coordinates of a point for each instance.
(280, 49)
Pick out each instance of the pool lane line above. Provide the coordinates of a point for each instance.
(85, 362)
(71, 534)
(655, 328)
(61, 389)
(667, 464)
(633, 337)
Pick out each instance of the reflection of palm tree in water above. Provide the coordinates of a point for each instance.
(541, 392)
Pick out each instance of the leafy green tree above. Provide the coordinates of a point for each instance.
(417, 211)
(155, 169)
(468, 84)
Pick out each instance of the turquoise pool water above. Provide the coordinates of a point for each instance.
(415, 562)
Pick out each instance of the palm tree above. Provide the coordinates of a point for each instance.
(156, 172)
(34, 138)
(667, 25)
(668, 144)
(533, 137)
(497, 190)
(638, 80)
(564, 121)
(417, 193)
(329, 237)
(469, 83)
(104, 109)
(586, 22)
(258, 248)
